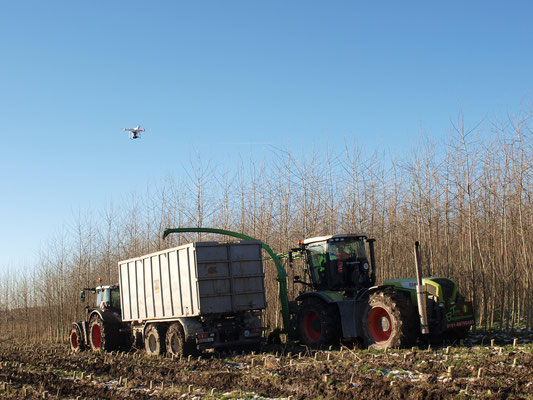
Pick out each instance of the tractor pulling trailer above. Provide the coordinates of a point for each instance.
(180, 300)
(339, 301)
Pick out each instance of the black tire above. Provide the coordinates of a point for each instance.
(389, 320)
(154, 340)
(102, 336)
(317, 324)
(77, 344)
(175, 342)
(274, 337)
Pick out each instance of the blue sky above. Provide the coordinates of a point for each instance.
(211, 77)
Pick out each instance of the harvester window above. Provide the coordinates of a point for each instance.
(346, 249)
(317, 261)
(346, 255)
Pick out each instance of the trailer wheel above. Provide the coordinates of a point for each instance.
(77, 343)
(175, 342)
(154, 343)
(317, 324)
(102, 336)
(389, 320)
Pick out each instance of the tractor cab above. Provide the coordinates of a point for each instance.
(338, 262)
(107, 297)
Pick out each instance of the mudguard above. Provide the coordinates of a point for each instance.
(365, 293)
(191, 327)
(106, 316)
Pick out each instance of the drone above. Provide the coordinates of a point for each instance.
(135, 133)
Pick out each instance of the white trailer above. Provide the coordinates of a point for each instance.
(199, 295)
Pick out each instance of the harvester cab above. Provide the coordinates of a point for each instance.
(343, 303)
(338, 262)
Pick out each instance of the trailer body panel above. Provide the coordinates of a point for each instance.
(191, 280)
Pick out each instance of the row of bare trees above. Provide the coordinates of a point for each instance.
(468, 201)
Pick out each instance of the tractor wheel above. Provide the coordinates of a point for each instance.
(175, 342)
(154, 340)
(317, 324)
(77, 343)
(389, 320)
(102, 336)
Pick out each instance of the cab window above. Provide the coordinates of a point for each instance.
(316, 254)
(346, 248)
(115, 298)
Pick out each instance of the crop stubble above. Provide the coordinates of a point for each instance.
(500, 372)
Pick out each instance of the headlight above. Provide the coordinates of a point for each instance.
(366, 267)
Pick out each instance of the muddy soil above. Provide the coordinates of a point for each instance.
(45, 370)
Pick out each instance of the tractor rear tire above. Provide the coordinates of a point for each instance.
(175, 342)
(317, 324)
(102, 336)
(389, 320)
(77, 344)
(154, 340)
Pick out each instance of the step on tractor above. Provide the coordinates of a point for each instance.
(340, 300)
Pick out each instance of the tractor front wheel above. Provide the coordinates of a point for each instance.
(317, 324)
(389, 321)
(77, 343)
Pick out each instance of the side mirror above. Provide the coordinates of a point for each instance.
(82, 296)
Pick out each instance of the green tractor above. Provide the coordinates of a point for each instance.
(341, 302)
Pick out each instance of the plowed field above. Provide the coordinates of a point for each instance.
(36, 371)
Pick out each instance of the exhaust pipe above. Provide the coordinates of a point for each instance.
(420, 295)
(372, 261)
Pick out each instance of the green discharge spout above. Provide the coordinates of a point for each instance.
(282, 274)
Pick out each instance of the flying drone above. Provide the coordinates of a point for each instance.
(135, 133)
